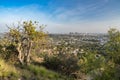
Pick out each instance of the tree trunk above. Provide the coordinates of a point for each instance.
(19, 53)
(28, 52)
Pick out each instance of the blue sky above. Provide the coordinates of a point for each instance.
(63, 16)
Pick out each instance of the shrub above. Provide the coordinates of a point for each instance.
(63, 63)
(9, 54)
(41, 72)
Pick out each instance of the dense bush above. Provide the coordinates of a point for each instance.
(64, 63)
(9, 53)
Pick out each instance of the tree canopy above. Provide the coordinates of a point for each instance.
(24, 36)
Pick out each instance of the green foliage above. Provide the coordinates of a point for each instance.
(112, 48)
(107, 74)
(22, 40)
(63, 63)
(21, 43)
(8, 53)
(113, 45)
(37, 70)
(30, 72)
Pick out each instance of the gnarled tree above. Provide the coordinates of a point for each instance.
(24, 36)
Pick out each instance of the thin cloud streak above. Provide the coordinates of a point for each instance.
(90, 18)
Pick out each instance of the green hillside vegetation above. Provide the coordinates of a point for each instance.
(26, 53)
(31, 72)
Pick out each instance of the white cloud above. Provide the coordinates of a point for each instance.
(13, 15)
(61, 21)
(22, 13)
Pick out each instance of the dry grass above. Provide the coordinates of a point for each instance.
(6, 69)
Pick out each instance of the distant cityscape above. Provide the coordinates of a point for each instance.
(80, 38)
(77, 38)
